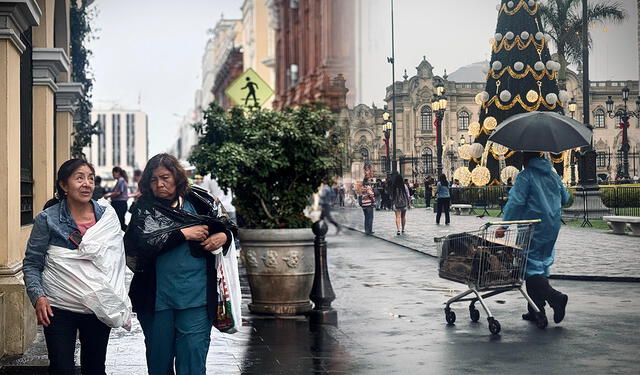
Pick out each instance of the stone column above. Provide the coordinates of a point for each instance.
(47, 64)
(17, 321)
(67, 98)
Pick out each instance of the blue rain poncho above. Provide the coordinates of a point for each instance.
(538, 193)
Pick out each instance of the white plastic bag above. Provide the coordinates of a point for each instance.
(91, 279)
(229, 264)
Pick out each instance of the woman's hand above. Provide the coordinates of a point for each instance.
(43, 311)
(195, 233)
(215, 241)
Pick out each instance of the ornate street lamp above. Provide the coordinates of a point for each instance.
(624, 114)
(392, 61)
(573, 106)
(386, 128)
(439, 106)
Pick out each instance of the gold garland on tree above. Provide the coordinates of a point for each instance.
(521, 4)
(517, 41)
(528, 70)
(518, 100)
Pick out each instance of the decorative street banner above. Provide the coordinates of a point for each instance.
(249, 90)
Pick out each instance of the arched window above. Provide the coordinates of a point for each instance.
(463, 120)
(427, 158)
(426, 122)
(598, 116)
(365, 154)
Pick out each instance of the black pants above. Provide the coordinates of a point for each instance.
(443, 206)
(61, 342)
(540, 291)
(121, 209)
(368, 219)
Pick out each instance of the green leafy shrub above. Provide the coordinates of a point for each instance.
(272, 161)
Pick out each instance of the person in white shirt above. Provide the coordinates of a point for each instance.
(225, 196)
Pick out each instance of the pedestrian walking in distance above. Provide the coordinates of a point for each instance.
(59, 228)
(367, 201)
(171, 251)
(443, 199)
(538, 193)
(120, 194)
(327, 197)
(401, 201)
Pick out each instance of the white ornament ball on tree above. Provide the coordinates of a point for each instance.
(476, 150)
(551, 98)
(531, 3)
(524, 35)
(484, 96)
(539, 35)
(538, 66)
(505, 96)
(509, 35)
(510, 4)
(498, 37)
(497, 65)
(518, 66)
(550, 65)
(564, 96)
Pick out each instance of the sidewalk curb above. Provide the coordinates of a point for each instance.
(617, 279)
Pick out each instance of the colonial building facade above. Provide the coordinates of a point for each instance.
(416, 134)
(37, 105)
(314, 41)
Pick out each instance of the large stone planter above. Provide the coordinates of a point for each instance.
(280, 266)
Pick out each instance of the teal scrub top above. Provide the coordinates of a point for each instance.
(181, 278)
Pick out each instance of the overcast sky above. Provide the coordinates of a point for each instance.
(152, 49)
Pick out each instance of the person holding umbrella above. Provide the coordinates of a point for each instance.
(538, 193)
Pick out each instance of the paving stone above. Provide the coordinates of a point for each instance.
(579, 251)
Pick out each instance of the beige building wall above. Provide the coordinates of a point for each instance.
(42, 19)
(259, 42)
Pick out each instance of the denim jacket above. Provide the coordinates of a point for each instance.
(50, 227)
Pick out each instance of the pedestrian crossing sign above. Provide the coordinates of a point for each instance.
(249, 90)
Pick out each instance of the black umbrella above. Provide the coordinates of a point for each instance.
(541, 131)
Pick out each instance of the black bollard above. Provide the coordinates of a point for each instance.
(322, 293)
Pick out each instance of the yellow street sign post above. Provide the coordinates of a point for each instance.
(249, 90)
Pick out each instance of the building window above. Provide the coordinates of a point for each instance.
(427, 156)
(365, 154)
(601, 159)
(102, 140)
(425, 119)
(115, 139)
(463, 120)
(131, 139)
(598, 116)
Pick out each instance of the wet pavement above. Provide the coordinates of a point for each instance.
(579, 251)
(389, 303)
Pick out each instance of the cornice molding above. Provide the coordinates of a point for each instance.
(67, 96)
(47, 64)
(16, 17)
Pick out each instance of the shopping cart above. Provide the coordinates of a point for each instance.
(491, 259)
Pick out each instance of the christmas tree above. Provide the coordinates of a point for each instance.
(521, 77)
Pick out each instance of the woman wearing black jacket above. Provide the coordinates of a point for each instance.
(174, 231)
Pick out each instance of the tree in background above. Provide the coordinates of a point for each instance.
(521, 78)
(80, 30)
(562, 20)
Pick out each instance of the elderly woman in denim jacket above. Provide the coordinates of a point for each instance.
(171, 251)
(63, 222)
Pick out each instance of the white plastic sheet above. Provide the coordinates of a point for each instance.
(91, 279)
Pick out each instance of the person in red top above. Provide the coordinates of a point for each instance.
(367, 202)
